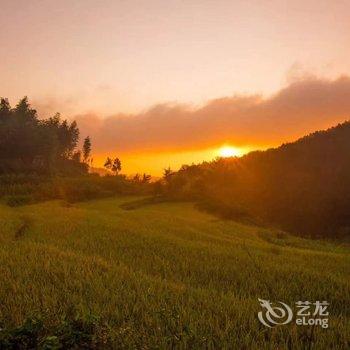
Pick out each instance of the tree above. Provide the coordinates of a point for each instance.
(114, 165)
(108, 163)
(5, 109)
(86, 149)
(137, 178)
(167, 173)
(146, 178)
(117, 166)
(76, 156)
(30, 144)
(24, 112)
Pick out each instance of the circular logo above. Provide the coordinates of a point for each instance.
(274, 315)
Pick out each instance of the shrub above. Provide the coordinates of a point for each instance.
(25, 336)
(71, 333)
(22, 189)
(15, 201)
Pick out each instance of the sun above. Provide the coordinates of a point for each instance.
(229, 151)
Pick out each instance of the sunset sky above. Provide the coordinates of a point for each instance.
(161, 83)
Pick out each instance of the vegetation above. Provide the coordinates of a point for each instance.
(39, 160)
(160, 276)
(32, 145)
(302, 187)
(113, 165)
(87, 150)
(74, 332)
(19, 189)
(153, 271)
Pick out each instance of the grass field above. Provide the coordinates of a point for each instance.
(167, 275)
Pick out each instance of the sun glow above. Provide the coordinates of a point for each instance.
(229, 151)
(154, 163)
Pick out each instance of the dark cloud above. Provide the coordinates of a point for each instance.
(301, 107)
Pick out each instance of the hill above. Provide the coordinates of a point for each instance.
(164, 275)
(302, 187)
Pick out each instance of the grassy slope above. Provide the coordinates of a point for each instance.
(166, 274)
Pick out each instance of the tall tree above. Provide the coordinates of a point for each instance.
(5, 109)
(24, 111)
(108, 163)
(117, 166)
(86, 149)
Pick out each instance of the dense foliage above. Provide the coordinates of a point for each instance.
(69, 333)
(29, 144)
(39, 160)
(303, 187)
(20, 189)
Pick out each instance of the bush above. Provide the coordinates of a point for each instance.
(71, 333)
(16, 201)
(25, 336)
(24, 189)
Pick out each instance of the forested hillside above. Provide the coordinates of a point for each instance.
(303, 187)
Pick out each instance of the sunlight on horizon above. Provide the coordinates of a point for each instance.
(155, 162)
(229, 151)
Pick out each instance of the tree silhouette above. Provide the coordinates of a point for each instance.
(86, 149)
(114, 165)
(117, 165)
(30, 144)
(167, 173)
(136, 178)
(146, 178)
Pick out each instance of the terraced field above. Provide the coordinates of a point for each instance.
(166, 275)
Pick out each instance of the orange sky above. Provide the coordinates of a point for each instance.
(244, 73)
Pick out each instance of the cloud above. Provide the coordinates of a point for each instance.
(302, 107)
(50, 105)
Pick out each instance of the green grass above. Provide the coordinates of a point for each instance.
(167, 275)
